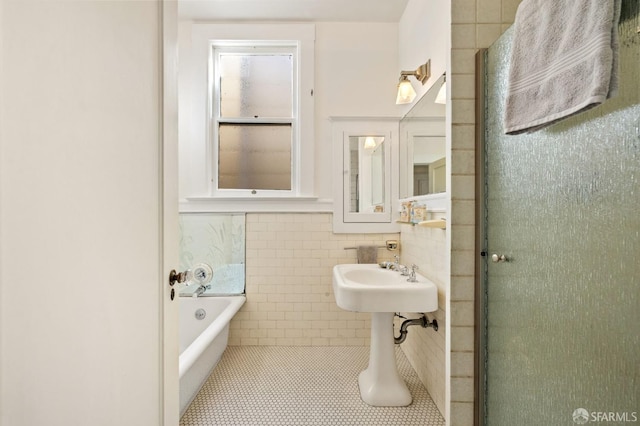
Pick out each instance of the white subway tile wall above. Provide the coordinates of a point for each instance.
(290, 302)
(424, 347)
(467, 35)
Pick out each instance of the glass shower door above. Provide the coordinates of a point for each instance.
(562, 256)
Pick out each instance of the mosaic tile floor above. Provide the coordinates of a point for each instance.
(275, 385)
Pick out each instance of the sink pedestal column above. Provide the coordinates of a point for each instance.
(380, 384)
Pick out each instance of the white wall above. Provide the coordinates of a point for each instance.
(355, 75)
(423, 34)
(79, 213)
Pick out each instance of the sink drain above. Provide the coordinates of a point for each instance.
(200, 314)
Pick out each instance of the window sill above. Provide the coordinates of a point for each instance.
(255, 204)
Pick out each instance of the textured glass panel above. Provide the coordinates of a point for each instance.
(219, 241)
(366, 174)
(254, 156)
(256, 86)
(564, 207)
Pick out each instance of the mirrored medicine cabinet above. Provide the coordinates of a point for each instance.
(365, 153)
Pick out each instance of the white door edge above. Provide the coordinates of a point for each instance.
(169, 388)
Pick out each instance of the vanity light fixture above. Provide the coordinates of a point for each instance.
(406, 93)
(441, 97)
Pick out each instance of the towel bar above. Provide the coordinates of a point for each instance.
(355, 248)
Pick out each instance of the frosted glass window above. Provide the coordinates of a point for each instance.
(254, 119)
(256, 85)
(255, 156)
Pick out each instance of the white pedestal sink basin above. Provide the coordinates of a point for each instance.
(369, 288)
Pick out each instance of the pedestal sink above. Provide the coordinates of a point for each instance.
(369, 288)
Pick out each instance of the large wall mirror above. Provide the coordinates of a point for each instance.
(423, 168)
(365, 174)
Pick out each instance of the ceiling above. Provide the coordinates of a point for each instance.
(293, 10)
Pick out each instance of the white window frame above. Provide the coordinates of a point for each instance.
(257, 47)
(197, 156)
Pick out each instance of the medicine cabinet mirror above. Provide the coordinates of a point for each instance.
(366, 163)
(423, 147)
(365, 174)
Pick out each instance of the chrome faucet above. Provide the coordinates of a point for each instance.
(396, 266)
(201, 289)
(412, 275)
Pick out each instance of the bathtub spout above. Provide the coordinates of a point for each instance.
(200, 290)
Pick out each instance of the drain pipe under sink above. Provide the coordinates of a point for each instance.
(423, 321)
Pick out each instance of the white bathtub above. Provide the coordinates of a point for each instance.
(202, 341)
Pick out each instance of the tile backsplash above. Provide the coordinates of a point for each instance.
(424, 347)
(289, 265)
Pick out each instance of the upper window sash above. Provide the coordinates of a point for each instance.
(259, 49)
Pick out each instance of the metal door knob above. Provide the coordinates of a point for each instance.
(177, 277)
(498, 258)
